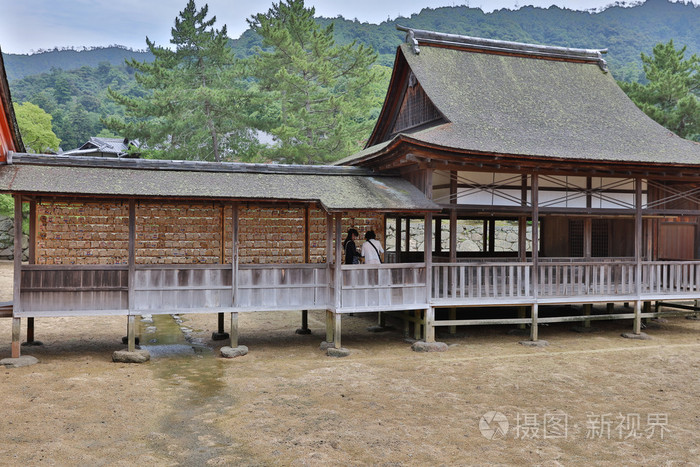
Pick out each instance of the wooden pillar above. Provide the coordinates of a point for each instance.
(638, 249)
(587, 238)
(233, 335)
(16, 290)
(398, 240)
(522, 239)
(234, 329)
(307, 257)
(337, 317)
(587, 312)
(330, 325)
(535, 252)
(131, 295)
(32, 260)
(637, 326)
(428, 257)
(338, 280)
(453, 253)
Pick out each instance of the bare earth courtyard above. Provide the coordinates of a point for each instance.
(586, 398)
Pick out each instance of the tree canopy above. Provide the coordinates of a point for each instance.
(317, 93)
(35, 127)
(672, 89)
(194, 105)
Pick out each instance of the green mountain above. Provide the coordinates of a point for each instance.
(71, 85)
(18, 66)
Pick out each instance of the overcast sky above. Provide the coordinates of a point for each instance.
(29, 25)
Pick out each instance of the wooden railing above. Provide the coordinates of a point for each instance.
(671, 278)
(586, 279)
(71, 290)
(462, 281)
(383, 287)
(182, 288)
(514, 282)
(283, 287)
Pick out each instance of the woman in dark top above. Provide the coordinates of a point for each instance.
(351, 254)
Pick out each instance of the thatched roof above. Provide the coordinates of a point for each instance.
(505, 98)
(335, 188)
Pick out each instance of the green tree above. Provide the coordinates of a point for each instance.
(35, 127)
(671, 94)
(317, 96)
(194, 107)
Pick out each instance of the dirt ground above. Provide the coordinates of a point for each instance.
(585, 399)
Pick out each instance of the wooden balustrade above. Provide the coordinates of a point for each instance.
(72, 290)
(283, 287)
(383, 287)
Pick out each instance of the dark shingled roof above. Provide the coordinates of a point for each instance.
(527, 105)
(335, 188)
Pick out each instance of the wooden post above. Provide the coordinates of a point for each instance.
(338, 278)
(32, 260)
(17, 289)
(234, 275)
(131, 333)
(130, 326)
(533, 327)
(522, 313)
(587, 312)
(307, 257)
(429, 327)
(451, 315)
(221, 332)
(234, 329)
(535, 252)
(329, 326)
(637, 327)
(638, 251)
(336, 330)
(417, 331)
(587, 237)
(428, 257)
(398, 240)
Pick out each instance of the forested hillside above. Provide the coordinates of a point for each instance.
(71, 85)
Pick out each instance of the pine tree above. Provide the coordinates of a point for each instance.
(316, 92)
(193, 109)
(671, 94)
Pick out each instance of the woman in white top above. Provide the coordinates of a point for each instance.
(371, 249)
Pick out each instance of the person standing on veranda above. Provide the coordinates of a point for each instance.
(372, 248)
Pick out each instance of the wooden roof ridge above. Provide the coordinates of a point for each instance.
(188, 166)
(417, 37)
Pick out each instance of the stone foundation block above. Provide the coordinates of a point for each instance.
(641, 336)
(24, 360)
(233, 352)
(420, 346)
(137, 356)
(537, 343)
(326, 345)
(341, 352)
